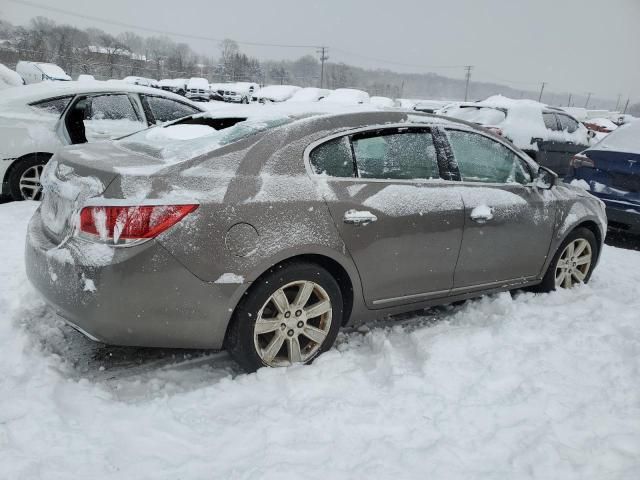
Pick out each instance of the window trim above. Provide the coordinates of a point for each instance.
(555, 116)
(149, 112)
(373, 128)
(60, 97)
(527, 163)
(558, 115)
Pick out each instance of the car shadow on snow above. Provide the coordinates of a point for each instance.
(623, 240)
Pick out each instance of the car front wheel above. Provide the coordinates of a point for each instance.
(291, 315)
(574, 261)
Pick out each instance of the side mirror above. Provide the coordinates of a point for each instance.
(536, 140)
(546, 178)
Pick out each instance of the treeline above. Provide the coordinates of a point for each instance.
(103, 55)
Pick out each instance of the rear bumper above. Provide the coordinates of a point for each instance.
(137, 296)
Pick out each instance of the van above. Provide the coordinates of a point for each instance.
(35, 72)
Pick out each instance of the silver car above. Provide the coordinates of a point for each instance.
(265, 236)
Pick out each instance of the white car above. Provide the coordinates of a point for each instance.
(275, 93)
(36, 72)
(37, 120)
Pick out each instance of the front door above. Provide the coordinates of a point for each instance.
(509, 222)
(401, 224)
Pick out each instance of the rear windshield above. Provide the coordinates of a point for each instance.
(195, 136)
(481, 115)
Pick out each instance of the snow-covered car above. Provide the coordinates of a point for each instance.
(275, 93)
(174, 85)
(9, 78)
(198, 89)
(347, 96)
(265, 235)
(86, 78)
(37, 120)
(142, 81)
(549, 135)
(383, 102)
(238, 92)
(36, 72)
(309, 94)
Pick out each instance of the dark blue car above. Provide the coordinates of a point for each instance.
(611, 169)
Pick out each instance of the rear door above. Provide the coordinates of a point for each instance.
(556, 151)
(400, 222)
(160, 109)
(508, 222)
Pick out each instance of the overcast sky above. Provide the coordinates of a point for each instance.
(576, 46)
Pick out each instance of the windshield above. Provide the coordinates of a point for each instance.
(178, 142)
(480, 115)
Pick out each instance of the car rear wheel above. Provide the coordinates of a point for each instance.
(291, 315)
(574, 261)
(25, 177)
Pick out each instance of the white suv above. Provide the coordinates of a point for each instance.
(36, 120)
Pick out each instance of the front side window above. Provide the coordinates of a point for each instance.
(333, 158)
(567, 123)
(165, 109)
(396, 156)
(54, 106)
(550, 121)
(481, 159)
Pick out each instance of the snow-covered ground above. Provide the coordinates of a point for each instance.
(505, 387)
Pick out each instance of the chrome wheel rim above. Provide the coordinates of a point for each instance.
(293, 324)
(29, 184)
(574, 264)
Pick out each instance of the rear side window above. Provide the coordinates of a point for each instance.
(112, 107)
(55, 106)
(567, 123)
(550, 121)
(396, 156)
(481, 159)
(333, 158)
(165, 110)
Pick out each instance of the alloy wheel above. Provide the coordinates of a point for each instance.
(574, 264)
(293, 324)
(30, 187)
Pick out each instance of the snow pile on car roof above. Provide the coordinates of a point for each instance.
(624, 139)
(309, 94)
(349, 96)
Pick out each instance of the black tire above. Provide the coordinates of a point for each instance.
(240, 336)
(19, 169)
(548, 283)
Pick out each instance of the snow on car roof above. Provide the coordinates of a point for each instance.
(347, 95)
(20, 96)
(52, 70)
(278, 93)
(624, 139)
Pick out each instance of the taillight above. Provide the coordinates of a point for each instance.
(582, 161)
(127, 224)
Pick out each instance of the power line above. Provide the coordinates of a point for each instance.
(150, 30)
(393, 62)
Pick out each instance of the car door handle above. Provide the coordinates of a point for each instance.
(356, 217)
(482, 214)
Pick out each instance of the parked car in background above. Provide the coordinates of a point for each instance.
(215, 94)
(142, 81)
(600, 125)
(36, 72)
(198, 89)
(549, 135)
(239, 92)
(9, 78)
(383, 102)
(174, 85)
(610, 170)
(86, 78)
(347, 96)
(430, 106)
(275, 93)
(266, 235)
(37, 120)
(309, 94)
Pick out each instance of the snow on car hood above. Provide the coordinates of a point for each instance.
(624, 139)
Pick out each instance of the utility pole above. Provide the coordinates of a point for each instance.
(618, 102)
(541, 91)
(588, 98)
(569, 102)
(626, 105)
(467, 75)
(323, 51)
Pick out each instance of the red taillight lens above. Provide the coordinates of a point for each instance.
(122, 223)
(580, 161)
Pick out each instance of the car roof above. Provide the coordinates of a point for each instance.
(27, 94)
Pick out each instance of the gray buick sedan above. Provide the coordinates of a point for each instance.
(266, 235)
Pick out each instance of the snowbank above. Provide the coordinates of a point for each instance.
(9, 78)
(531, 386)
(384, 102)
(276, 93)
(347, 96)
(309, 94)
